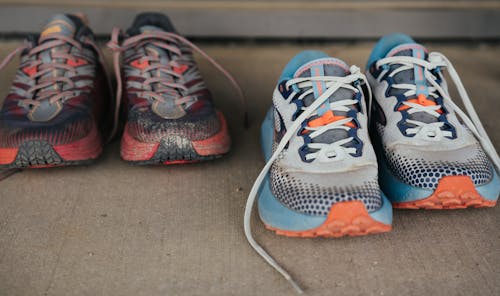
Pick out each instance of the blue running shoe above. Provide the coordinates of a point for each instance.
(431, 154)
(321, 176)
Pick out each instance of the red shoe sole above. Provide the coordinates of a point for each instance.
(135, 151)
(452, 192)
(348, 218)
(81, 151)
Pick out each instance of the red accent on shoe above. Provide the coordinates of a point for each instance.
(181, 69)
(89, 147)
(217, 144)
(30, 71)
(8, 155)
(139, 64)
(135, 150)
(76, 62)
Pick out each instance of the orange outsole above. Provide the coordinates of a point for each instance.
(348, 218)
(452, 192)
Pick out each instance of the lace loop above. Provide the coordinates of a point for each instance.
(153, 37)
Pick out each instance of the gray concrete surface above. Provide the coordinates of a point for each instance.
(115, 229)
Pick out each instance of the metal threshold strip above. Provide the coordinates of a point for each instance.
(261, 5)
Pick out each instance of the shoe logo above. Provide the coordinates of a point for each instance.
(279, 126)
(51, 30)
(58, 26)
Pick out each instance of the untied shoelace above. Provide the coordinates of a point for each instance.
(335, 83)
(438, 60)
(167, 37)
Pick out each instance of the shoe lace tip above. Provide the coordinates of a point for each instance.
(296, 286)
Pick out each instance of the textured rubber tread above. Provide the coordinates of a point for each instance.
(348, 218)
(452, 192)
(39, 154)
(175, 150)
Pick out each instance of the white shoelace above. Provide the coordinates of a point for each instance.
(437, 59)
(325, 150)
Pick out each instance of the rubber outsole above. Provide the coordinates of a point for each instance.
(40, 154)
(348, 218)
(452, 192)
(175, 149)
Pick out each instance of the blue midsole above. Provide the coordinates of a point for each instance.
(273, 213)
(397, 191)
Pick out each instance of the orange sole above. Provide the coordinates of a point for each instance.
(452, 192)
(348, 218)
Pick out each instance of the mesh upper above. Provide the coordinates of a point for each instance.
(314, 199)
(421, 172)
(146, 126)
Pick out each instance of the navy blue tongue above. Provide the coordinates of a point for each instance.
(59, 24)
(413, 76)
(327, 67)
(150, 21)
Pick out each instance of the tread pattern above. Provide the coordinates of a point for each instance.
(36, 153)
(173, 150)
(344, 219)
(39, 154)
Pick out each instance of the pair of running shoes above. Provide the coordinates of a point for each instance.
(61, 108)
(323, 176)
(343, 148)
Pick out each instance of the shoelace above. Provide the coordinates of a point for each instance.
(160, 39)
(336, 150)
(334, 84)
(473, 123)
(42, 68)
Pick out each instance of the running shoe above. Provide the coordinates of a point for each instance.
(54, 112)
(321, 176)
(170, 115)
(431, 154)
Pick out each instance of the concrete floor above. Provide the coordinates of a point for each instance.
(114, 229)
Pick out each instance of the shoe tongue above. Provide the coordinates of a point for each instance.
(410, 49)
(323, 67)
(61, 25)
(326, 67)
(408, 77)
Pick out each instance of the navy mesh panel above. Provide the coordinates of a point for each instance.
(426, 174)
(313, 199)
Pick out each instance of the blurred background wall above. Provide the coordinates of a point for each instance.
(288, 19)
